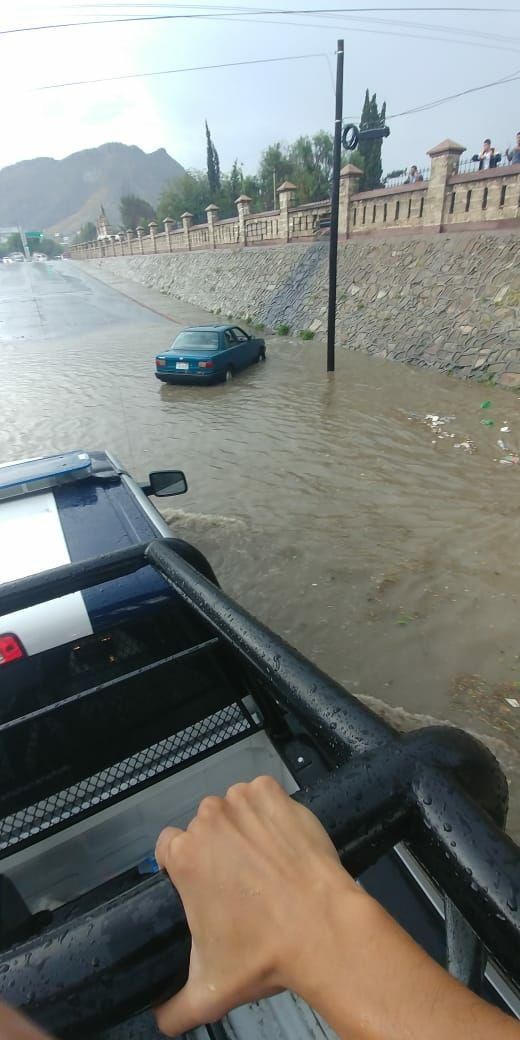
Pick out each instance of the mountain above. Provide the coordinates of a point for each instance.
(62, 194)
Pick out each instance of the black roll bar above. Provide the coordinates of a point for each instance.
(438, 789)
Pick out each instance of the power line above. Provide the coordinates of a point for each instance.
(218, 16)
(384, 32)
(171, 72)
(510, 78)
(461, 93)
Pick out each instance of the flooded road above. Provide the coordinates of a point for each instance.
(382, 544)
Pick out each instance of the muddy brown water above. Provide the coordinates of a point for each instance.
(328, 505)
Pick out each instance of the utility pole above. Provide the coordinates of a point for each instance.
(274, 190)
(24, 243)
(334, 216)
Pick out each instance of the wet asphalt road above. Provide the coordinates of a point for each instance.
(329, 506)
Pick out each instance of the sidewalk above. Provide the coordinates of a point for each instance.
(177, 311)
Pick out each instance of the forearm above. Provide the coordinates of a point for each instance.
(14, 1026)
(354, 983)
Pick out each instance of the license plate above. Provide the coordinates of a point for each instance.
(183, 365)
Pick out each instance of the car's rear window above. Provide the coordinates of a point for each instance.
(197, 340)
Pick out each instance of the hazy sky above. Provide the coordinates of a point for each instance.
(411, 59)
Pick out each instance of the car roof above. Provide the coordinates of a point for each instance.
(75, 515)
(208, 328)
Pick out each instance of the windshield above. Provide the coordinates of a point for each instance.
(197, 340)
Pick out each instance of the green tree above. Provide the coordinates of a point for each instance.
(273, 161)
(189, 193)
(35, 245)
(371, 117)
(311, 165)
(307, 162)
(235, 180)
(46, 245)
(87, 233)
(213, 164)
(135, 212)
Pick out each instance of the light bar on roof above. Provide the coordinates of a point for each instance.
(24, 478)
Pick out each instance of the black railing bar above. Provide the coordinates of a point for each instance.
(326, 707)
(75, 698)
(465, 954)
(472, 859)
(504, 985)
(71, 577)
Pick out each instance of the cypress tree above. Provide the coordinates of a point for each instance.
(213, 164)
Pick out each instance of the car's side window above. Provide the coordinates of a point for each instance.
(229, 338)
(240, 335)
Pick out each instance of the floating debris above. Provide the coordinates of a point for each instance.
(504, 429)
(487, 422)
(511, 458)
(486, 404)
(512, 701)
(434, 421)
(466, 446)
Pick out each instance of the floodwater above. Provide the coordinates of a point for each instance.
(383, 545)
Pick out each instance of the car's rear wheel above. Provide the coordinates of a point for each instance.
(229, 375)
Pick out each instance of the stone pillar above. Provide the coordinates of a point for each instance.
(129, 238)
(287, 195)
(212, 217)
(187, 221)
(140, 233)
(243, 205)
(153, 233)
(348, 186)
(445, 162)
(168, 226)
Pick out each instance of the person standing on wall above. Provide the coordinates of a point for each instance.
(488, 158)
(414, 176)
(513, 154)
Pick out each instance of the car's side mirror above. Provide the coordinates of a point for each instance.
(166, 482)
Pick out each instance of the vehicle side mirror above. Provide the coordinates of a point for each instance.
(166, 482)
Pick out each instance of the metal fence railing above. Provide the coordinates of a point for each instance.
(405, 177)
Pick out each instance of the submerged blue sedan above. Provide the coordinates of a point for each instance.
(208, 353)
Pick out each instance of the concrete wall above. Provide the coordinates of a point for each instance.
(451, 302)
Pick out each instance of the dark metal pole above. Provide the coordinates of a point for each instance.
(334, 217)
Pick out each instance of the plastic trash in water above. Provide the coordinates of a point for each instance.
(504, 429)
(485, 404)
(512, 701)
(487, 422)
(148, 866)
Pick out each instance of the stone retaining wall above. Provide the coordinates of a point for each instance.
(447, 302)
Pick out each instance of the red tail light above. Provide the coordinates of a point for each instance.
(11, 649)
(160, 362)
(206, 364)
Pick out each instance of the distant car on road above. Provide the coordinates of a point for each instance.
(208, 353)
(17, 257)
